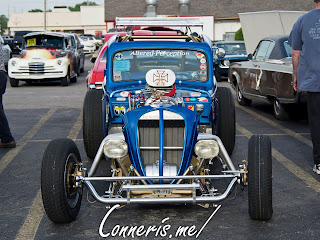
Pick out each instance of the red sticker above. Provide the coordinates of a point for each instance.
(199, 55)
(187, 99)
(190, 107)
(203, 67)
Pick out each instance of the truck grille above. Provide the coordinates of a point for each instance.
(148, 134)
(36, 68)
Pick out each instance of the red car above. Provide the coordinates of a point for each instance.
(96, 75)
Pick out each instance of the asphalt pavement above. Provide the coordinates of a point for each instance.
(41, 112)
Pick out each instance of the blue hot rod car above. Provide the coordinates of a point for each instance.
(162, 124)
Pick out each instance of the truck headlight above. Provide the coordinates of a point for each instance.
(115, 148)
(13, 63)
(206, 149)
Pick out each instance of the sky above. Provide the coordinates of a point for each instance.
(20, 6)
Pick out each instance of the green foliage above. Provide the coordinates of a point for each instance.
(36, 10)
(239, 35)
(4, 23)
(76, 8)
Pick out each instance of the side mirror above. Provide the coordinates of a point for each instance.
(250, 56)
(220, 52)
(93, 59)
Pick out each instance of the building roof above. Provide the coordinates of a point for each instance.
(226, 9)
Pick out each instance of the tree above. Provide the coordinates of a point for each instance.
(76, 8)
(4, 23)
(36, 10)
(239, 35)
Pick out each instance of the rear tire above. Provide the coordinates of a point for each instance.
(260, 178)
(14, 82)
(92, 122)
(61, 199)
(226, 119)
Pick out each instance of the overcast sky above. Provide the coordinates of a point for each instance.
(19, 6)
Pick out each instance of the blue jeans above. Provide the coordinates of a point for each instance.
(5, 134)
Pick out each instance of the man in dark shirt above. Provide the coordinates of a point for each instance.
(305, 42)
(7, 141)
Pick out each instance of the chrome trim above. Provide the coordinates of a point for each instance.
(129, 187)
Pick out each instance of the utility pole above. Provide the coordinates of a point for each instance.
(87, 2)
(45, 14)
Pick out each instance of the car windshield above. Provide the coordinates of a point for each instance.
(44, 41)
(233, 48)
(190, 65)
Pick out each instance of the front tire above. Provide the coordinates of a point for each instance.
(226, 119)
(65, 81)
(14, 82)
(260, 178)
(280, 110)
(61, 199)
(92, 122)
(241, 99)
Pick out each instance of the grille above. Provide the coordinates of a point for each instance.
(36, 68)
(148, 133)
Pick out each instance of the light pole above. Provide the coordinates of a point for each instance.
(45, 14)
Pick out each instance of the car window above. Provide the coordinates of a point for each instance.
(43, 41)
(288, 48)
(264, 50)
(73, 42)
(104, 56)
(233, 48)
(130, 65)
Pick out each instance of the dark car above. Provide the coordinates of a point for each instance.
(17, 41)
(235, 51)
(78, 53)
(267, 76)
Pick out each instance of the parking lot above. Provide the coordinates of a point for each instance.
(41, 112)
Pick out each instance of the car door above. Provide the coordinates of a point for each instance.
(80, 52)
(257, 78)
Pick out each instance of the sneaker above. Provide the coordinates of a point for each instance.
(11, 144)
(316, 169)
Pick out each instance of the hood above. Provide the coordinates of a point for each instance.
(42, 54)
(158, 118)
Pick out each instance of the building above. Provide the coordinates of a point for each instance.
(225, 11)
(89, 20)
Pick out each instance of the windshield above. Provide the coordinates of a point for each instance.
(133, 65)
(288, 48)
(233, 48)
(44, 41)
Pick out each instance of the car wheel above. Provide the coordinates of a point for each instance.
(241, 99)
(226, 125)
(14, 82)
(280, 110)
(92, 122)
(82, 69)
(218, 76)
(260, 178)
(61, 198)
(65, 81)
(78, 69)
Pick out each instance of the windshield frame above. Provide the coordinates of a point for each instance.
(160, 48)
(42, 37)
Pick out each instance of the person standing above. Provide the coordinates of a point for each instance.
(305, 42)
(7, 141)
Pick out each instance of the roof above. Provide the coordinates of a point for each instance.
(54, 34)
(221, 9)
(279, 51)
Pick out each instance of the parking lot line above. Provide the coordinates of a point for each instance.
(6, 159)
(277, 125)
(31, 224)
(293, 168)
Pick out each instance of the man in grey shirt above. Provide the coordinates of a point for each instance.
(305, 42)
(7, 141)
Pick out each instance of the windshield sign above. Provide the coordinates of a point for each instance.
(133, 65)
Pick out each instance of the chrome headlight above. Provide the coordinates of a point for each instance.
(206, 149)
(13, 63)
(226, 63)
(115, 148)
